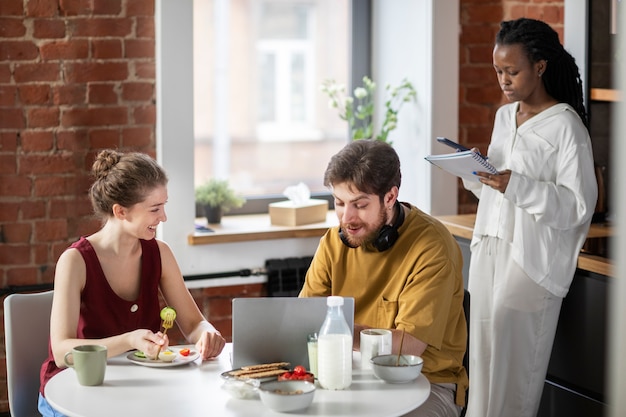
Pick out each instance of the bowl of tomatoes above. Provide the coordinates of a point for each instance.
(299, 373)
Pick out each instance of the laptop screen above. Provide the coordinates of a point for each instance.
(275, 329)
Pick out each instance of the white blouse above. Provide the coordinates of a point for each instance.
(547, 207)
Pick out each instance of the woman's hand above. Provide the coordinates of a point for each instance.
(148, 342)
(497, 181)
(210, 344)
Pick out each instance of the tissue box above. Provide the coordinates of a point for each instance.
(285, 213)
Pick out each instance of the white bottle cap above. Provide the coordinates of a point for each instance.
(334, 301)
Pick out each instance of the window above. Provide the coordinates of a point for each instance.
(260, 120)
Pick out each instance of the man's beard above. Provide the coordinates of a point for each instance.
(372, 232)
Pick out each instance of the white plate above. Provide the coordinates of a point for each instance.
(178, 361)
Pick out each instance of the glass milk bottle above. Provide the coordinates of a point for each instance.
(334, 348)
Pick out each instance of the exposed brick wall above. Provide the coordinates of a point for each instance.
(77, 76)
(480, 95)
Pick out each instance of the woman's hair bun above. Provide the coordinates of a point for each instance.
(105, 161)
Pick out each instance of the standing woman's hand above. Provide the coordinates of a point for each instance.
(210, 344)
(497, 181)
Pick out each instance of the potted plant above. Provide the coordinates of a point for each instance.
(216, 197)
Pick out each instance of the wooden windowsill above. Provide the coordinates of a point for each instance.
(253, 227)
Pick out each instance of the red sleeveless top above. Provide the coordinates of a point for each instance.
(102, 312)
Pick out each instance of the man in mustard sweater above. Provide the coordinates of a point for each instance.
(402, 266)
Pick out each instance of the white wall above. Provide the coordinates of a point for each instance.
(403, 29)
(420, 40)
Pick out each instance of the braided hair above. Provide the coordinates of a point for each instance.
(561, 78)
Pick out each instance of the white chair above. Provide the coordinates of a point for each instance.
(26, 335)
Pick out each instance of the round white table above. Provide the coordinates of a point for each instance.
(195, 389)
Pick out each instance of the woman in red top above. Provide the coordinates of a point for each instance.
(106, 286)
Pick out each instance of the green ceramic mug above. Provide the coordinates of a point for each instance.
(89, 362)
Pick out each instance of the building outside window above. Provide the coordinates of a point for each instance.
(260, 119)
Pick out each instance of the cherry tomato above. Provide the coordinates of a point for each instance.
(299, 370)
(184, 352)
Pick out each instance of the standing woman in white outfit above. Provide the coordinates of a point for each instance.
(532, 219)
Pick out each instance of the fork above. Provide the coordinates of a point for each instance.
(168, 323)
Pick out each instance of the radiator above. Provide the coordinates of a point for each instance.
(285, 277)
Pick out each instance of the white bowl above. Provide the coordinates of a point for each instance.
(283, 396)
(407, 369)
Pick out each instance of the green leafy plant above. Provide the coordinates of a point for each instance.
(217, 193)
(358, 110)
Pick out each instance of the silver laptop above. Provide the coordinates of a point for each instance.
(274, 329)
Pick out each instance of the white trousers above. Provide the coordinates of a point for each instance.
(512, 326)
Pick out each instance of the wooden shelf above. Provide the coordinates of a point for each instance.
(462, 225)
(254, 227)
(605, 94)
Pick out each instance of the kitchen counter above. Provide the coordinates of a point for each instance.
(462, 226)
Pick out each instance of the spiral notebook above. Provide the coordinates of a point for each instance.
(462, 164)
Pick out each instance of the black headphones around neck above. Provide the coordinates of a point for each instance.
(387, 235)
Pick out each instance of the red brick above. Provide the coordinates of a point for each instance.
(9, 211)
(106, 48)
(75, 7)
(489, 13)
(145, 70)
(8, 95)
(11, 28)
(7, 164)
(37, 140)
(41, 8)
(61, 209)
(11, 118)
(69, 94)
(18, 232)
(139, 48)
(58, 163)
(107, 7)
(105, 138)
(24, 73)
(34, 94)
(140, 8)
(101, 27)
(43, 117)
(144, 27)
(5, 73)
(50, 230)
(95, 116)
(475, 114)
(8, 141)
(74, 140)
(14, 254)
(53, 186)
(480, 54)
(48, 29)
(479, 34)
(88, 226)
(17, 50)
(102, 94)
(134, 91)
(145, 115)
(23, 276)
(94, 71)
(72, 49)
(482, 95)
(478, 75)
(41, 254)
(31, 210)
(11, 7)
(137, 137)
